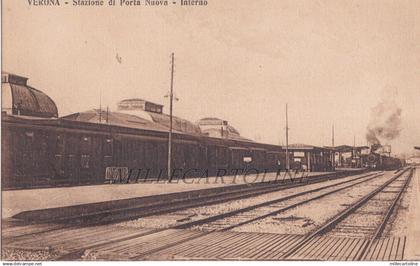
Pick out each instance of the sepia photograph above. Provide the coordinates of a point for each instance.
(210, 131)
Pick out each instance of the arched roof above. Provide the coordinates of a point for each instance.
(137, 119)
(20, 99)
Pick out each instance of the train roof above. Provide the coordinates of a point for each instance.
(346, 148)
(304, 147)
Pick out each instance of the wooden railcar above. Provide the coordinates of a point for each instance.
(51, 152)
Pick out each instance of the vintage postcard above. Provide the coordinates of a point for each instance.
(210, 130)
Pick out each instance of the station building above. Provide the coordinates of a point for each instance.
(137, 113)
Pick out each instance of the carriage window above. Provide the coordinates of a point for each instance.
(84, 161)
(212, 156)
(85, 145)
(58, 163)
(107, 148)
(222, 155)
(59, 145)
(28, 141)
(72, 145)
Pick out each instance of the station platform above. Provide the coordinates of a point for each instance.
(18, 201)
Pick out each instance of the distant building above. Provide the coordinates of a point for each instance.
(18, 98)
(218, 128)
(137, 113)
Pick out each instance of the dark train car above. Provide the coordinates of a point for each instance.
(40, 152)
(40, 149)
(381, 162)
(391, 163)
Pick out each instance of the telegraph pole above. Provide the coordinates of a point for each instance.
(287, 141)
(354, 144)
(171, 98)
(333, 147)
(100, 105)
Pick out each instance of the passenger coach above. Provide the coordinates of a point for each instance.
(40, 149)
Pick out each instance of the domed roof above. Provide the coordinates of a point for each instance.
(219, 128)
(216, 123)
(154, 112)
(20, 99)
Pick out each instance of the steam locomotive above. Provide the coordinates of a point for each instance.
(377, 161)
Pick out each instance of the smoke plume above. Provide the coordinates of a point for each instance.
(385, 123)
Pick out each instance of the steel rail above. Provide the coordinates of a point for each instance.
(385, 219)
(267, 203)
(224, 215)
(342, 215)
(365, 178)
(167, 207)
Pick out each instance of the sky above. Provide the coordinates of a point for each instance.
(239, 60)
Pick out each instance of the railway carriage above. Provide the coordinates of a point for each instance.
(40, 149)
(39, 152)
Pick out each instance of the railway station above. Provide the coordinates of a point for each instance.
(190, 130)
(70, 192)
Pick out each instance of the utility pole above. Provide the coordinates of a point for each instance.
(287, 141)
(354, 145)
(333, 147)
(100, 105)
(171, 98)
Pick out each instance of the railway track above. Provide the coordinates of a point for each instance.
(175, 240)
(27, 225)
(365, 219)
(57, 232)
(137, 246)
(230, 220)
(237, 245)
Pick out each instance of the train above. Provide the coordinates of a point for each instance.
(51, 152)
(40, 149)
(36, 152)
(377, 161)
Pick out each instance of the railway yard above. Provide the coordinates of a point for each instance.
(352, 215)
